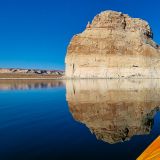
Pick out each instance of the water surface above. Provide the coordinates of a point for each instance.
(80, 119)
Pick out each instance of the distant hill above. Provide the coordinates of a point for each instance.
(29, 73)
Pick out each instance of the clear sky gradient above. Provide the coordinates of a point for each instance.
(35, 33)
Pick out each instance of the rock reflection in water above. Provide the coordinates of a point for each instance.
(114, 110)
(29, 84)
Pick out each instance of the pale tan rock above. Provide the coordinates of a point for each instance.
(114, 110)
(114, 45)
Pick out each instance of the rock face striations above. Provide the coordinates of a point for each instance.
(114, 45)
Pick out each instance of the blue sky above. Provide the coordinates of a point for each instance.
(35, 33)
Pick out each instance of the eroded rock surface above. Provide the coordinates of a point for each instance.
(114, 45)
(114, 110)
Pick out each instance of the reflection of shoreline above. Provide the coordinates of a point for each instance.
(22, 84)
(32, 78)
(114, 110)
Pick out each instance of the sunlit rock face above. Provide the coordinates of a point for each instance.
(114, 45)
(114, 110)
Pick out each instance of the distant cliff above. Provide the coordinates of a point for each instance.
(29, 73)
(114, 45)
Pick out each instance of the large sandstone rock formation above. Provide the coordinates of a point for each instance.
(114, 110)
(114, 45)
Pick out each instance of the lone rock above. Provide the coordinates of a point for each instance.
(114, 45)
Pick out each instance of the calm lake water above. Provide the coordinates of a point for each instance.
(81, 119)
